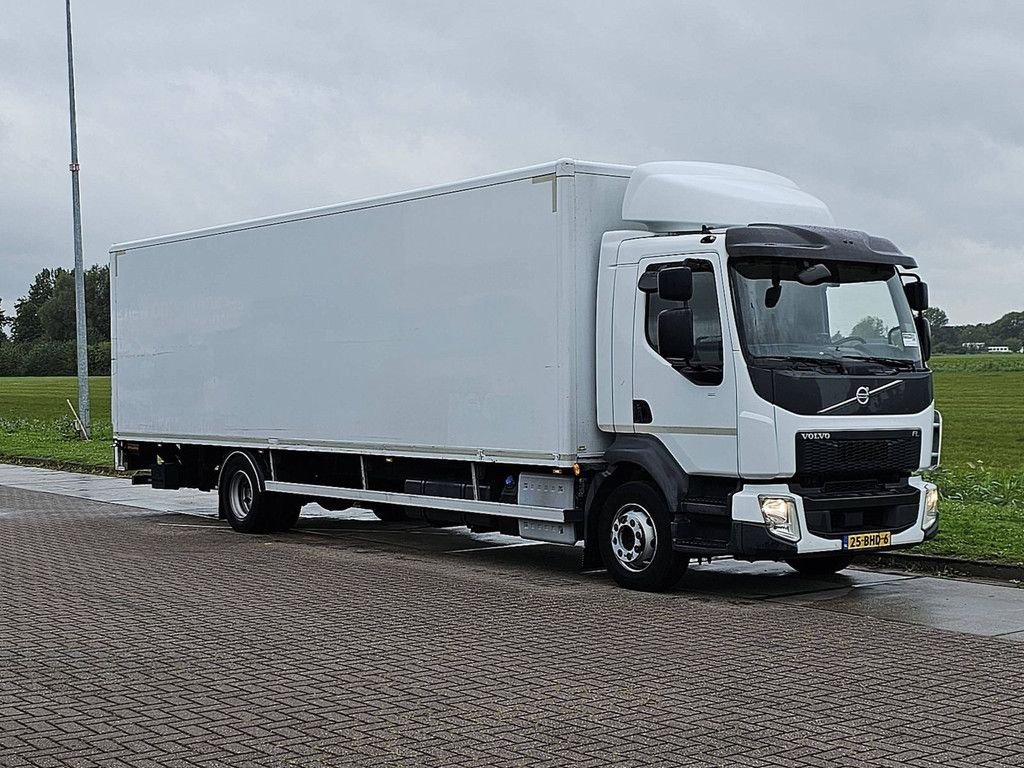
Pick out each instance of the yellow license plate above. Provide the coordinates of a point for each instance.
(867, 540)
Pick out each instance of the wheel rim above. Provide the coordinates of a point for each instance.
(634, 538)
(240, 495)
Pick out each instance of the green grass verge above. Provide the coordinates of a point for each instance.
(35, 422)
(979, 531)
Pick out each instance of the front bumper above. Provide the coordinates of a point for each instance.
(822, 521)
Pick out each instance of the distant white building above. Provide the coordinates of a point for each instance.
(973, 345)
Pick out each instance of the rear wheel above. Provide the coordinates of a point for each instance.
(243, 501)
(636, 539)
(286, 511)
(820, 566)
(389, 513)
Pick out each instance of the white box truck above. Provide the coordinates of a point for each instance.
(668, 362)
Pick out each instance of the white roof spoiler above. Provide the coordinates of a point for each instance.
(686, 196)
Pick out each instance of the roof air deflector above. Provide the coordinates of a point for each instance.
(686, 196)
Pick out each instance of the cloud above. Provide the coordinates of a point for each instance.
(901, 115)
(981, 278)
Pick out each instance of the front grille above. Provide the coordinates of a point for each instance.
(831, 512)
(831, 523)
(868, 487)
(857, 454)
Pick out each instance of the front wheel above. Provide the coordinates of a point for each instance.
(820, 566)
(636, 539)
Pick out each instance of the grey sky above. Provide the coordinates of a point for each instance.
(904, 117)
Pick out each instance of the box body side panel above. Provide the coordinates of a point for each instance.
(427, 327)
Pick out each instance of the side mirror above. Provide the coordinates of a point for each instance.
(675, 284)
(648, 282)
(675, 334)
(924, 334)
(917, 295)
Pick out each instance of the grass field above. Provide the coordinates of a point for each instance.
(980, 397)
(981, 479)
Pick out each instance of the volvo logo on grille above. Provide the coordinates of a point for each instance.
(815, 435)
(862, 396)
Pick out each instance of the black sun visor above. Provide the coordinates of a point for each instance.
(815, 243)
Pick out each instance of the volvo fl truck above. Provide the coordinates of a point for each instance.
(663, 363)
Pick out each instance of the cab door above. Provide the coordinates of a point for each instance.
(689, 405)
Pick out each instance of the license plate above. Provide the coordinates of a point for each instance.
(867, 540)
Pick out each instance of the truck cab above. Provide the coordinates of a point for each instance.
(769, 380)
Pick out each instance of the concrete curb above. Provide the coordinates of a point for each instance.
(946, 566)
(62, 466)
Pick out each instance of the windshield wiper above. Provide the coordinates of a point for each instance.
(820, 362)
(892, 362)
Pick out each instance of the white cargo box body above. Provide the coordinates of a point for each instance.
(451, 322)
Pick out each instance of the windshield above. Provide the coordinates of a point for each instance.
(857, 312)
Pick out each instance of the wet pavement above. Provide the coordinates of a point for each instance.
(977, 607)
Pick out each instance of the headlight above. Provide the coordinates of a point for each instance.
(931, 507)
(779, 513)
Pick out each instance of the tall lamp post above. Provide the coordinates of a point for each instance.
(83, 350)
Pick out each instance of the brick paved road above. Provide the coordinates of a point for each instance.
(141, 639)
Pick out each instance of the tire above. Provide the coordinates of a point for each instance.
(389, 513)
(286, 511)
(636, 539)
(243, 500)
(820, 566)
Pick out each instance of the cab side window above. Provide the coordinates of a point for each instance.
(706, 365)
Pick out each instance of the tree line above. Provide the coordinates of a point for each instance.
(40, 339)
(1007, 331)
